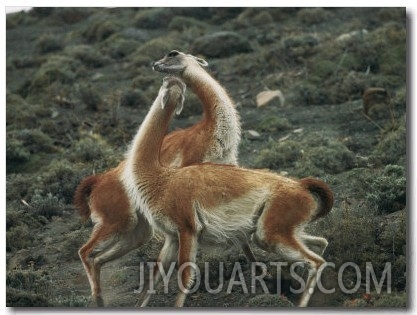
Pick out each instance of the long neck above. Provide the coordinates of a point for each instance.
(220, 114)
(208, 90)
(144, 153)
(142, 161)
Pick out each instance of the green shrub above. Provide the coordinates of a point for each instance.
(90, 148)
(311, 16)
(49, 43)
(86, 150)
(16, 154)
(393, 300)
(360, 247)
(392, 14)
(218, 15)
(18, 214)
(134, 98)
(28, 288)
(24, 149)
(18, 237)
(392, 59)
(343, 88)
(300, 46)
(46, 205)
(279, 155)
(20, 224)
(358, 179)
(61, 69)
(61, 178)
(70, 15)
(392, 148)
(392, 239)
(262, 18)
(28, 280)
(73, 300)
(221, 44)
(87, 55)
(19, 298)
(400, 97)
(322, 70)
(152, 50)
(21, 18)
(34, 140)
(305, 94)
(21, 114)
(118, 47)
(246, 64)
(331, 157)
(100, 28)
(249, 13)
(133, 33)
(399, 263)
(41, 12)
(180, 23)
(91, 97)
(274, 123)
(17, 186)
(383, 240)
(154, 18)
(389, 190)
(144, 80)
(22, 62)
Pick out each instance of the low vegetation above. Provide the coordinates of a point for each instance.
(79, 83)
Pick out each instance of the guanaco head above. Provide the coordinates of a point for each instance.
(176, 62)
(173, 90)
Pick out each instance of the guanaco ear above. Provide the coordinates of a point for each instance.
(165, 98)
(180, 105)
(201, 61)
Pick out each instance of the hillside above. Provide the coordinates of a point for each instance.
(79, 83)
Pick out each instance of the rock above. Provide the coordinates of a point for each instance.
(221, 44)
(252, 135)
(285, 138)
(354, 34)
(97, 76)
(266, 97)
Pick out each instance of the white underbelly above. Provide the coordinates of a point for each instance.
(231, 223)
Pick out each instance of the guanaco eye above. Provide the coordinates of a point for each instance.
(173, 53)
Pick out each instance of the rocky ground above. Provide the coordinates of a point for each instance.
(79, 83)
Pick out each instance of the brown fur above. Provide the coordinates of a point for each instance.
(373, 96)
(290, 204)
(111, 187)
(191, 142)
(82, 194)
(105, 198)
(188, 203)
(324, 194)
